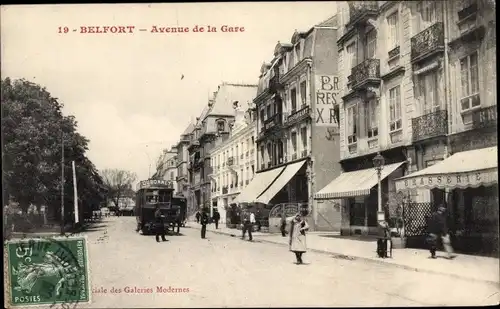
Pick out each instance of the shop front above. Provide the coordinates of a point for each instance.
(468, 184)
(357, 193)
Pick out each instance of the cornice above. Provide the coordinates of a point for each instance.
(296, 69)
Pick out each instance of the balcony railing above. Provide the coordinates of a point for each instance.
(298, 115)
(294, 156)
(427, 42)
(365, 72)
(230, 161)
(360, 11)
(272, 122)
(485, 117)
(224, 190)
(430, 125)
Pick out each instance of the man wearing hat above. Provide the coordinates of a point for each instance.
(438, 230)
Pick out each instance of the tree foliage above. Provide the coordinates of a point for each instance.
(118, 183)
(34, 129)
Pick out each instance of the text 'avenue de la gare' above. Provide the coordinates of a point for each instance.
(153, 29)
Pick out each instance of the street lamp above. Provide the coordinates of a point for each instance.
(378, 163)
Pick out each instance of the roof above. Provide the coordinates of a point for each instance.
(330, 22)
(227, 94)
(189, 129)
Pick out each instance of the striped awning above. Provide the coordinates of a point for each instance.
(467, 169)
(356, 183)
(258, 185)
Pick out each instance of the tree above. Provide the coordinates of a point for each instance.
(118, 183)
(34, 128)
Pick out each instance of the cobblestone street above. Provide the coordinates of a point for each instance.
(224, 271)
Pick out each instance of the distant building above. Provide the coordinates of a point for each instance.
(213, 121)
(233, 160)
(182, 179)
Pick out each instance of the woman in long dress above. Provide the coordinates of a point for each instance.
(298, 228)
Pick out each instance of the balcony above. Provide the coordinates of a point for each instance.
(297, 116)
(272, 122)
(361, 11)
(430, 125)
(193, 145)
(274, 84)
(367, 72)
(230, 161)
(427, 43)
(485, 117)
(224, 190)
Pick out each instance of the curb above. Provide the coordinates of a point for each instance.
(370, 260)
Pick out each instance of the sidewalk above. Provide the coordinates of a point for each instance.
(464, 266)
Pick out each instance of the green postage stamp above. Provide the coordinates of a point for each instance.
(48, 271)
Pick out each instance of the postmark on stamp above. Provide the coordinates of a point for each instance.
(48, 271)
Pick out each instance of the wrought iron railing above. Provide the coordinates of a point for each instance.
(294, 156)
(224, 190)
(430, 125)
(272, 122)
(230, 161)
(358, 9)
(297, 115)
(365, 71)
(274, 83)
(485, 117)
(427, 42)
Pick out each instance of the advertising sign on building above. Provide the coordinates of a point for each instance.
(327, 100)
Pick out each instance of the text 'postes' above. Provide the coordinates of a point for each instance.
(124, 29)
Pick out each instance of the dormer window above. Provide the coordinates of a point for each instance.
(297, 52)
(221, 126)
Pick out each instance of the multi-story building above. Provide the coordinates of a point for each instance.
(233, 160)
(213, 121)
(411, 80)
(182, 164)
(166, 167)
(297, 124)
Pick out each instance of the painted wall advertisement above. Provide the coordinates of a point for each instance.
(327, 101)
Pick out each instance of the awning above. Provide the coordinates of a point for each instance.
(468, 169)
(280, 182)
(259, 184)
(356, 183)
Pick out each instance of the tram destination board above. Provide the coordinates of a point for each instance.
(156, 183)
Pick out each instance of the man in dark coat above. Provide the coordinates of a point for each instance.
(437, 230)
(198, 216)
(204, 222)
(159, 225)
(283, 225)
(216, 218)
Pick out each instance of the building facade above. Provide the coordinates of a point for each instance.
(412, 85)
(214, 121)
(182, 179)
(233, 161)
(297, 125)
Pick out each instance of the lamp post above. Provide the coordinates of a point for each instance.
(378, 163)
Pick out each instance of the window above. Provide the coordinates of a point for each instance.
(372, 118)
(237, 153)
(395, 123)
(294, 141)
(393, 22)
(428, 14)
(428, 92)
(352, 119)
(351, 54)
(220, 126)
(303, 136)
(171, 175)
(371, 44)
(268, 109)
(269, 152)
(469, 74)
(303, 92)
(293, 97)
(262, 154)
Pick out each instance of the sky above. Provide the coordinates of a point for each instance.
(125, 89)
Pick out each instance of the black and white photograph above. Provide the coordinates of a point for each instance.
(250, 154)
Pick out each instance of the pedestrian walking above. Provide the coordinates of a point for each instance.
(283, 225)
(159, 224)
(258, 219)
(437, 230)
(198, 216)
(297, 243)
(216, 218)
(248, 222)
(204, 221)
